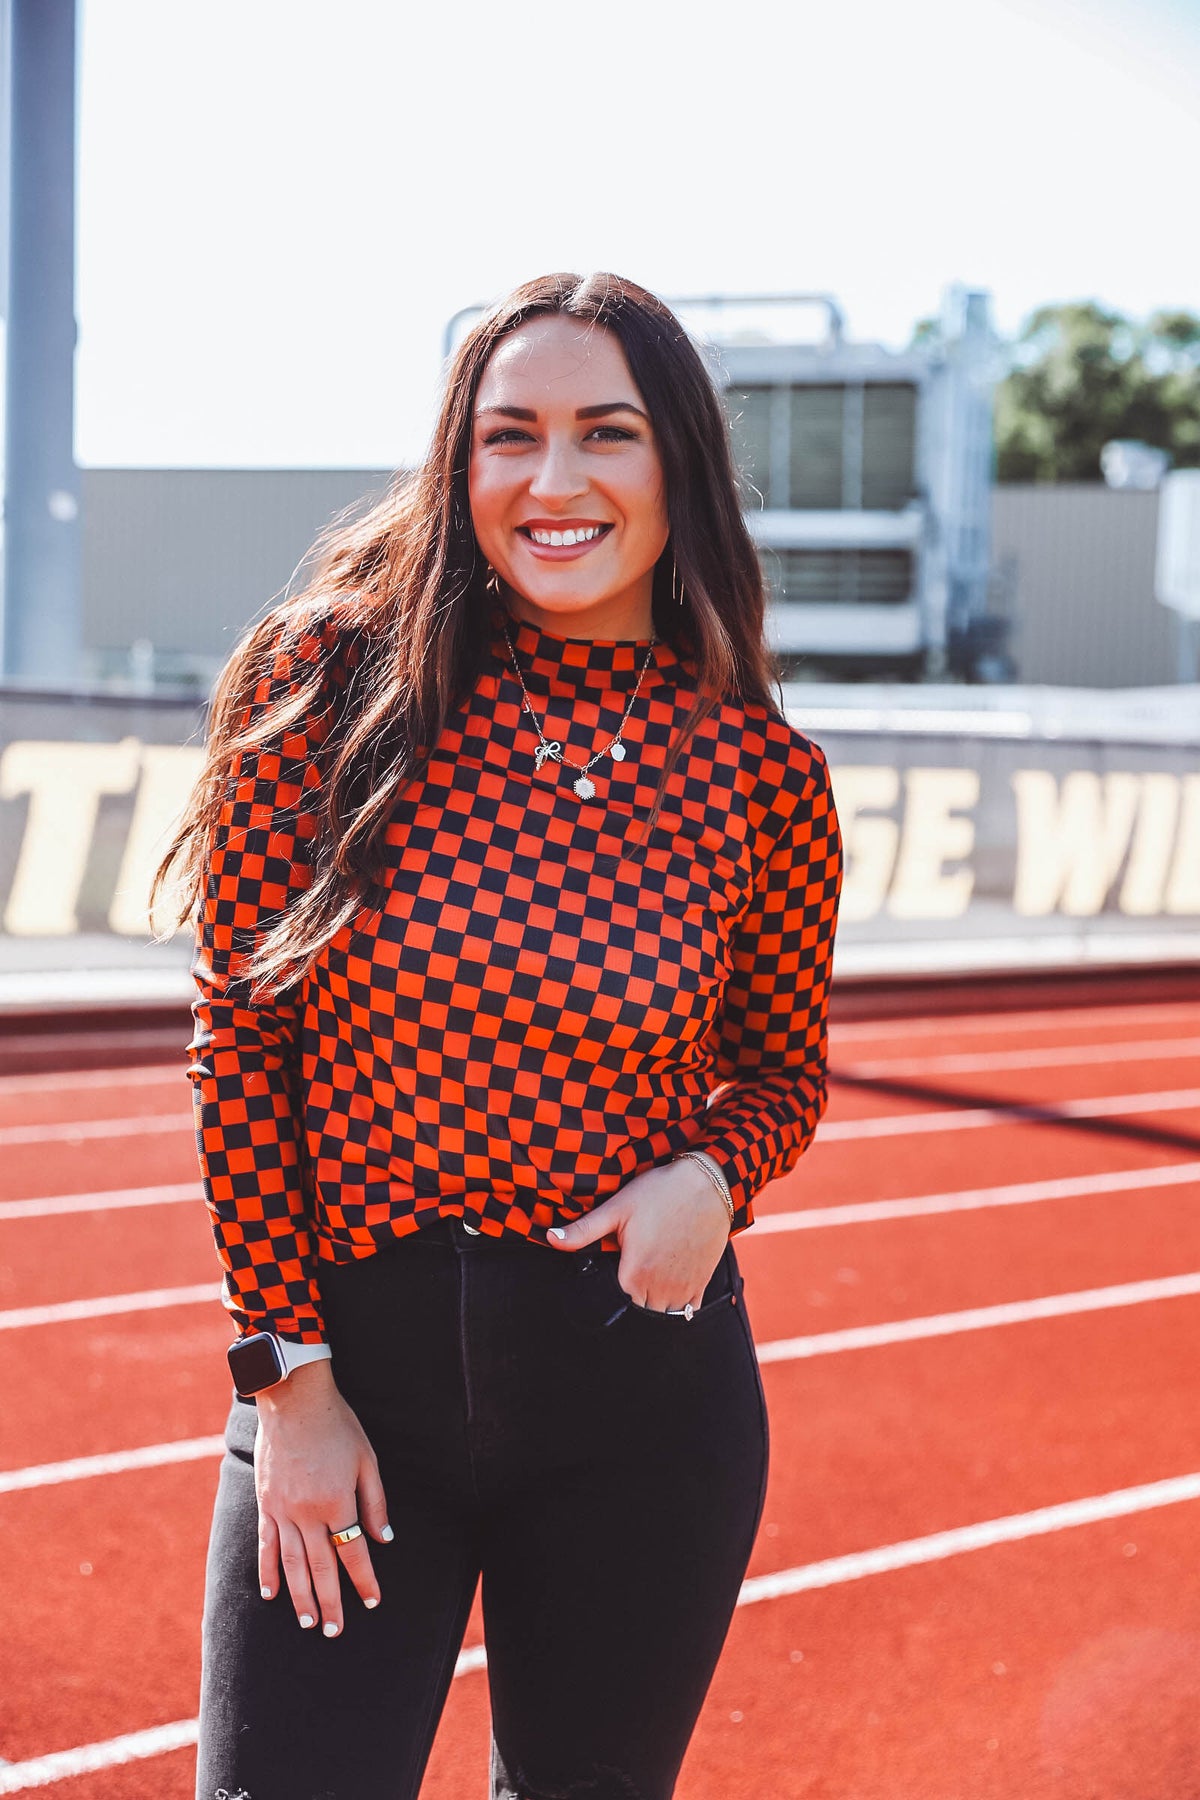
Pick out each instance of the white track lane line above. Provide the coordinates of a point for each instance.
(935, 1024)
(1046, 1018)
(1058, 1056)
(42, 1771)
(1016, 1193)
(891, 1331)
(966, 1200)
(135, 1746)
(114, 1462)
(52, 1205)
(979, 1318)
(812, 1219)
(971, 1118)
(106, 1306)
(827, 1343)
(941, 1544)
(958, 1118)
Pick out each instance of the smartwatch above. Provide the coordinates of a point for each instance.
(261, 1360)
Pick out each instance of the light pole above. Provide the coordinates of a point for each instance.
(42, 536)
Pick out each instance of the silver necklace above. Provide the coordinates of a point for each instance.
(583, 784)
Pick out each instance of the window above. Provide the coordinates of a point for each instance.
(838, 577)
(889, 444)
(825, 446)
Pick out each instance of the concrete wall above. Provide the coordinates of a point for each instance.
(187, 557)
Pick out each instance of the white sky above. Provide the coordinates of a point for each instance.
(282, 202)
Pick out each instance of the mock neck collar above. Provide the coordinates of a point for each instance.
(549, 660)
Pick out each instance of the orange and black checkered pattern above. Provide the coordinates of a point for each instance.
(530, 1019)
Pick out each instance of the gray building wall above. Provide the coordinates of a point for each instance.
(1081, 556)
(187, 557)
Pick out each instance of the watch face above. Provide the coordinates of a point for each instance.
(255, 1363)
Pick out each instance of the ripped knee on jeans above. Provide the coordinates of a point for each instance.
(245, 1794)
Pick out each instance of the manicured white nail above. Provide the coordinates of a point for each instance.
(265, 1592)
(332, 1628)
(370, 1604)
(307, 1621)
(387, 1534)
(556, 1231)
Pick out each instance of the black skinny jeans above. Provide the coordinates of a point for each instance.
(602, 1465)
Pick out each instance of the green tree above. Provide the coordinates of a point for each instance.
(1080, 374)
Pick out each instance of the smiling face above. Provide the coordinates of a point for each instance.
(568, 499)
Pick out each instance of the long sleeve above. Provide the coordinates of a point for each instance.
(772, 1032)
(243, 1053)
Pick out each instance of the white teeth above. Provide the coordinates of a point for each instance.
(583, 534)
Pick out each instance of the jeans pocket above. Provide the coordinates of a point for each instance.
(723, 1292)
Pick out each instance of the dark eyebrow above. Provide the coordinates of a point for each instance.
(528, 414)
(611, 406)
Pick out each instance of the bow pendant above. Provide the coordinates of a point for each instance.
(545, 750)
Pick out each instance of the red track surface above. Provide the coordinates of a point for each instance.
(1065, 1663)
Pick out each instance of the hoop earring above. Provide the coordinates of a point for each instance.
(677, 596)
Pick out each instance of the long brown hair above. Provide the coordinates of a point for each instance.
(407, 582)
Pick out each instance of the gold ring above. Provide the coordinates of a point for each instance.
(348, 1535)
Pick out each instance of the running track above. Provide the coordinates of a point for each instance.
(976, 1301)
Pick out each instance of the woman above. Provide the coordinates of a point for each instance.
(516, 902)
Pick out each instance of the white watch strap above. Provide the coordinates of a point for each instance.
(296, 1355)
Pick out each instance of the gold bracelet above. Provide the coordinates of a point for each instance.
(714, 1175)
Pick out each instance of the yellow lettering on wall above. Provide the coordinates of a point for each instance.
(169, 772)
(1183, 883)
(935, 832)
(1070, 844)
(1150, 851)
(869, 844)
(64, 783)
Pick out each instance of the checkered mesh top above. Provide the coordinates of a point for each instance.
(529, 1020)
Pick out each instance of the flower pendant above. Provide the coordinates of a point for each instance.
(584, 787)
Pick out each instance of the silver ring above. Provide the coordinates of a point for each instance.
(348, 1535)
(681, 1312)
